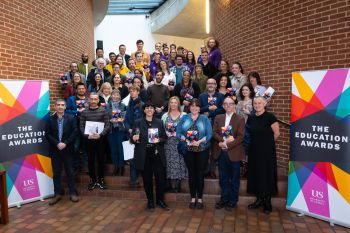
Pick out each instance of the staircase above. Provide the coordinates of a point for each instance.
(118, 187)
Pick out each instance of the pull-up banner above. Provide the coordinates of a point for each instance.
(319, 167)
(24, 107)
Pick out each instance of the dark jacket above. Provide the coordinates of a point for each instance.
(70, 132)
(133, 112)
(140, 148)
(235, 149)
(106, 74)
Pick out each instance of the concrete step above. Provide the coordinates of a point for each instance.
(211, 186)
(139, 194)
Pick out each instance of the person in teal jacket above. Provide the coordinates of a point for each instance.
(195, 130)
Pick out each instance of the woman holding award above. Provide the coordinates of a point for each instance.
(195, 130)
(149, 158)
(176, 168)
(116, 110)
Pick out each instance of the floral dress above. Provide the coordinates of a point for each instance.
(176, 167)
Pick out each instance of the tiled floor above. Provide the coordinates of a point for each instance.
(108, 214)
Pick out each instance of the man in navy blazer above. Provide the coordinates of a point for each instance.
(61, 132)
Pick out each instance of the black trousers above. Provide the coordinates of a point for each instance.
(196, 163)
(95, 151)
(154, 166)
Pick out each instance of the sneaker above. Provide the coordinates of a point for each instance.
(192, 205)
(199, 205)
(229, 206)
(101, 184)
(221, 204)
(92, 185)
(55, 199)
(74, 198)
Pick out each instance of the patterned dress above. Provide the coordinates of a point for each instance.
(176, 167)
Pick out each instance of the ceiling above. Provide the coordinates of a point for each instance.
(122, 7)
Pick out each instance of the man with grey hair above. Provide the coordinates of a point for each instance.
(100, 68)
(61, 131)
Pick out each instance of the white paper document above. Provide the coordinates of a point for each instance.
(93, 127)
(128, 149)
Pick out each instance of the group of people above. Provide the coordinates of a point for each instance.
(183, 115)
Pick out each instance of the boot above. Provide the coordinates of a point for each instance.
(177, 188)
(267, 205)
(168, 186)
(256, 204)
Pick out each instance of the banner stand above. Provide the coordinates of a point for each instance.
(319, 166)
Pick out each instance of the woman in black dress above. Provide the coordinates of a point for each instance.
(262, 165)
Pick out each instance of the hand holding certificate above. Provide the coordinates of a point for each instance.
(93, 129)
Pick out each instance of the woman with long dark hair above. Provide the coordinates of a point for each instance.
(186, 90)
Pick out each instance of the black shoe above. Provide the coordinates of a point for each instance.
(256, 204)
(92, 184)
(229, 206)
(163, 205)
(168, 186)
(199, 205)
(267, 205)
(177, 188)
(221, 204)
(116, 171)
(121, 171)
(192, 205)
(150, 206)
(101, 184)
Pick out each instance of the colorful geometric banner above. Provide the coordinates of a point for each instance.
(319, 167)
(24, 108)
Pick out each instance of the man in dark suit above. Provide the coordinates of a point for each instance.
(122, 52)
(228, 133)
(61, 131)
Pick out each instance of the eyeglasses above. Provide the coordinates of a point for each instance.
(228, 104)
(211, 83)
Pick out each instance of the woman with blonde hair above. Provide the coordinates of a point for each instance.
(176, 167)
(105, 93)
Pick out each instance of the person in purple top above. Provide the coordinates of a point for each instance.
(214, 52)
(172, 58)
(191, 61)
(157, 47)
(166, 54)
(154, 66)
(203, 49)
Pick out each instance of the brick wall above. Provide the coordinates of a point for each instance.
(38, 39)
(278, 37)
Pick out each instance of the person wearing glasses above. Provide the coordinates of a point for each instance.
(149, 157)
(228, 134)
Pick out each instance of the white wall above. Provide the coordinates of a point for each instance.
(126, 29)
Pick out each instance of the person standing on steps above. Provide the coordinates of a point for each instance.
(95, 141)
(61, 132)
(149, 158)
(263, 130)
(228, 134)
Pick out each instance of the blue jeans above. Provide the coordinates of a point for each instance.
(115, 140)
(134, 173)
(229, 174)
(57, 160)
